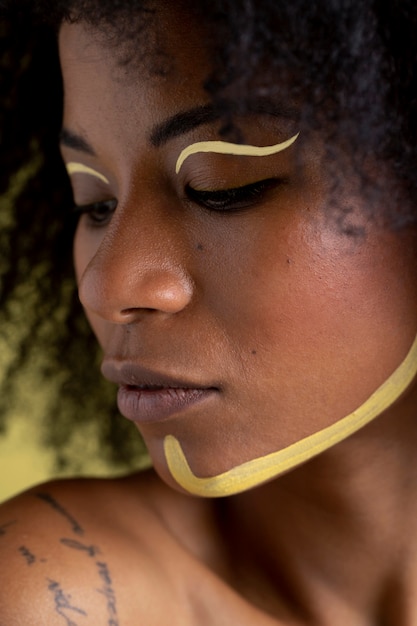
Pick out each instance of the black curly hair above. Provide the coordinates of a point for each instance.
(350, 63)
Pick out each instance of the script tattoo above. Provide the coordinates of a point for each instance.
(27, 554)
(4, 527)
(108, 592)
(46, 497)
(77, 545)
(106, 589)
(63, 603)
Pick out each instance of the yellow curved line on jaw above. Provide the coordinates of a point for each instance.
(224, 147)
(257, 471)
(80, 168)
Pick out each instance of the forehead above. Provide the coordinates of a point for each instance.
(107, 100)
(167, 46)
(107, 78)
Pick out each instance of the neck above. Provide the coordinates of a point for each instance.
(337, 533)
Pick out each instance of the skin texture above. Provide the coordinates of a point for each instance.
(261, 469)
(292, 321)
(296, 334)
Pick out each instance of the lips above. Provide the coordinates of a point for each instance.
(147, 396)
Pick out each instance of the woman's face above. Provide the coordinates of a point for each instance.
(237, 322)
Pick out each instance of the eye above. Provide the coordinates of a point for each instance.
(98, 213)
(235, 199)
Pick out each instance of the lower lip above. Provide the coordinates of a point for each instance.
(155, 405)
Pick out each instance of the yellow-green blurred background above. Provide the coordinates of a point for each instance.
(24, 459)
(22, 462)
(31, 181)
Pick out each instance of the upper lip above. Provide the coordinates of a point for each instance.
(135, 375)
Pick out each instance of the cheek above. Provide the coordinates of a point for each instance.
(319, 307)
(85, 247)
(87, 242)
(82, 252)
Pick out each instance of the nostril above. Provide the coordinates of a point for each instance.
(124, 277)
(121, 295)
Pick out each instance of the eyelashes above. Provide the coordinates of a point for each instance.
(234, 199)
(98, 213)
(221, 201)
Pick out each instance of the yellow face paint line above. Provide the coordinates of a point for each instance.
(224, 147)
(80, 168)
(257, 471)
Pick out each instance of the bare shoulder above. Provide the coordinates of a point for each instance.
(77, 552)
(117, 552)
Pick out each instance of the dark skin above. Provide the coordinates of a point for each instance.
(183, 289)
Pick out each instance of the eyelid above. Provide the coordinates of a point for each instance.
(74, 167)
(236, 188)
(234, 198)
(89, 209)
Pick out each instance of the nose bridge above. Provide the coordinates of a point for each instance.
(138, 266)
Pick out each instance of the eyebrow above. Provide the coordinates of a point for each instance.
(174, 126)
(76, 142)
(182, 123)
(186, 121)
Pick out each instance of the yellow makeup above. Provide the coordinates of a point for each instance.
(264, 468)
(223, 147)
(80, 168)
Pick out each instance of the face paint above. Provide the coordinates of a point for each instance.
(223, 147)
(80, 168)
(257, 471)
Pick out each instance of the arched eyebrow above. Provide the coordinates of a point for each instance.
(181, 123)
(186, 121)
(71, 140)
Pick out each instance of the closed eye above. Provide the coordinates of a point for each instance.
(235, 199)
(98, 213)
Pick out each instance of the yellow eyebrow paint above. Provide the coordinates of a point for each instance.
(261, 469)
(80, 168)
(224, 147)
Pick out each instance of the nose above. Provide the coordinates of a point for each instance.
(135, 268)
